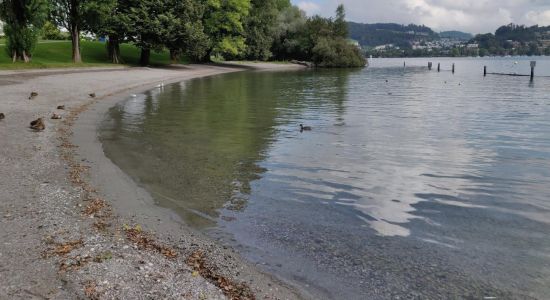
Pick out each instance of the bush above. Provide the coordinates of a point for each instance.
(51, 32)
(336, 53)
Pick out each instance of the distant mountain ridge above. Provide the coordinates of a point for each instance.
(372, 35)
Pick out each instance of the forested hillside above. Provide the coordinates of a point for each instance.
(388, 33)
(515, 39)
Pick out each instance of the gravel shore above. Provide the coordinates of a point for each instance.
(72, 225)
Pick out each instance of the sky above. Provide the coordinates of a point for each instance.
(473, 16)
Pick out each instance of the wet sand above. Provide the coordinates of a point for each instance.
(69, 218)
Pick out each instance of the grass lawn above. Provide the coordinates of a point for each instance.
(57, 54)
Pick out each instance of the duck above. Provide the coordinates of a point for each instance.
(2, 116)
(92, 95)
(38, 124)
(305, 128)
(61, 107)
(33, 95)
(56, 117)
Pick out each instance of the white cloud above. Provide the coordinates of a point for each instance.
(475, 16)
(310, 8)
(539, 17)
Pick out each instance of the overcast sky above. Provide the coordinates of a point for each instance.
(474, 16)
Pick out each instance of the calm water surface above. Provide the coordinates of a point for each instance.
(412, 184)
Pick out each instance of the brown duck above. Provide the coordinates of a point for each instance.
(2, 116)
(61, 107)
(38, 124)
(33, 95)
(56, 117)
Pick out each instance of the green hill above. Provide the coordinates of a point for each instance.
(515, 39)
(57, 54)
(456, 35)
(371, 35)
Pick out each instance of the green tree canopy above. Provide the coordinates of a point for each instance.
(223, 22)
(23, 20)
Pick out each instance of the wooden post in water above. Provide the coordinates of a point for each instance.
(484, 71)
(453, 68)
(533, 65)
(404, 64)
(430, 65)
(438, 67)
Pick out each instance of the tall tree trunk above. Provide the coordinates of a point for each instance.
(113, 47)
(75, 39)
(145, 56)
(26, 57)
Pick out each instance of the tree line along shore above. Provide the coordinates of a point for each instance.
(180, 30)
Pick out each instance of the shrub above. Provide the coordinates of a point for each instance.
(336, 53)
(51, 32)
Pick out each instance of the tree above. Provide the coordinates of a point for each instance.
(289, 34)
(75, 16)
(67, 13)
(110, 19)
(336, 53)
(23, 20)
(340, 25)
(223, 23)
(52, 32)
(150, 24)
(186, 34)
(260, 29)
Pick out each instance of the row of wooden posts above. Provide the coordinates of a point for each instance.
(439, 67)
(533, 65)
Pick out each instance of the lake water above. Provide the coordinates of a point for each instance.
(412, 183)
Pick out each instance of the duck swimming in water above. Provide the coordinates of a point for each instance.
(304, 128)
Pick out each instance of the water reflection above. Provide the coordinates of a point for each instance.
(196, 145)
(421, 180)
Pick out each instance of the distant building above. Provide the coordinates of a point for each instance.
(383, 47)
(472, 46)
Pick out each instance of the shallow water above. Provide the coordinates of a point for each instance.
(412, 183)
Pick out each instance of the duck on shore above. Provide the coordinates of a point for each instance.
(33, 95)
(2, 116)
(92, 95)
(38, 124)
(61, 107)
(305, 128)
